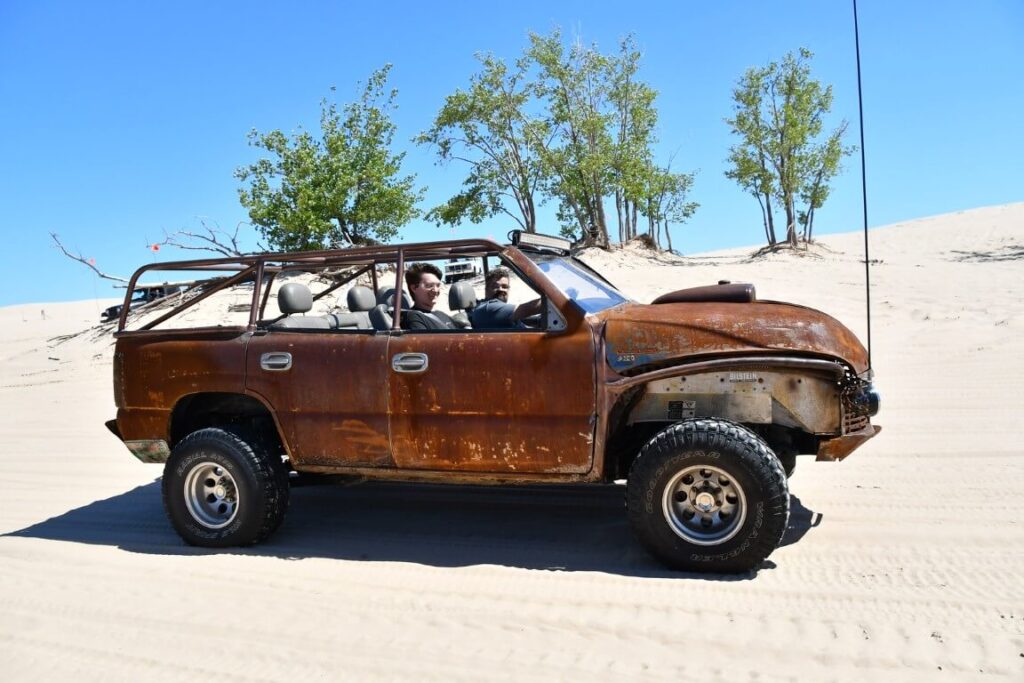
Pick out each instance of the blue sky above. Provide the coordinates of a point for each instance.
(121, 120)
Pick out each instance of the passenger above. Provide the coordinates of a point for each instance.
(424, 282)
(495, 312)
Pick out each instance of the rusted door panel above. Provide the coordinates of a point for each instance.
(518, 402)
(332, 403)
(155, 371)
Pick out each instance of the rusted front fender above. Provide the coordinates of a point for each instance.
(642, 335)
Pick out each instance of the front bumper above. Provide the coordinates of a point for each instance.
(860, 402)
(841, 446)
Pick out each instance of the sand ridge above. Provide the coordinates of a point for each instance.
(904, 562)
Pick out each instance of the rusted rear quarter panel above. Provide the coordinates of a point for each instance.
(153, 370)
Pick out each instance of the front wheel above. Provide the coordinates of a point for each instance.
(222, 490)
(708, 495)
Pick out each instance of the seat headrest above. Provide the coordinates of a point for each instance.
(462, 296)
(385, 296)
(294, 298)
(380, 319)
(360, 298)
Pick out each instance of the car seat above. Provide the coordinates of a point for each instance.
(461, 300)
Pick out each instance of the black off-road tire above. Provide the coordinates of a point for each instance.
(258, 480)
(729, 452)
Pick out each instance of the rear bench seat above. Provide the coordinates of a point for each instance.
(295, 300)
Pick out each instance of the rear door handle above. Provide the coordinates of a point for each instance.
(276, 361)
(409, 362)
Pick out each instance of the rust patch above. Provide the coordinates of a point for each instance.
(638, 335)
(842, 446)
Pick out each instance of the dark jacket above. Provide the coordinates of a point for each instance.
(417, 319)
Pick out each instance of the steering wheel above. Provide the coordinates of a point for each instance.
(534, 322)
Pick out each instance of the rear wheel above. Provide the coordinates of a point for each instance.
(221, 489)
(708, 495)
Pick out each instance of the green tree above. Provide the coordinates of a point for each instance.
(342, 189)
(778, 112)
(487, 127)
(635, 119)
(665, 200)
(576, 88)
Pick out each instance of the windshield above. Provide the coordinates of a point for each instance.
(580, 283)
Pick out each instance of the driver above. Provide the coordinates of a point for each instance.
(495, 312)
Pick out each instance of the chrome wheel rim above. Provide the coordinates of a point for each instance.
(704, 505)
(211, 495)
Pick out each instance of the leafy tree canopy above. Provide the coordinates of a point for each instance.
(778, 113)
(489, 128)
(566, 123)
(343, 188)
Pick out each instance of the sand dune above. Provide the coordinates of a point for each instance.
(904, 562)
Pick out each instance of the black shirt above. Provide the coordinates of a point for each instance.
(418, 319)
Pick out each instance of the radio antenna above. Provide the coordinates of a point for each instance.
(863, 181)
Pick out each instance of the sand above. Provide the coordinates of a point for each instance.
(903, 562)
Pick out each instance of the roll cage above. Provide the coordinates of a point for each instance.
(262, 269)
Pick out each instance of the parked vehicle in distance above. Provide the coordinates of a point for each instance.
(700, 400)
(143, 294)
(460, 269)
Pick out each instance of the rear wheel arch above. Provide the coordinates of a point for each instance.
(224, 409)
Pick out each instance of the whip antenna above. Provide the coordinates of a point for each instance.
(863, 181)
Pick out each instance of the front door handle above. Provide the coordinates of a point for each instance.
(409, 362)
(276, 361)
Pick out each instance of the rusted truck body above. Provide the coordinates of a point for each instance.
(700, 400)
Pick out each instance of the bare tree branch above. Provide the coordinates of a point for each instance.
(215, 240)
(89, 263)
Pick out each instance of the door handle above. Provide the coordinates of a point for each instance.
(409, 362)
(276, 361)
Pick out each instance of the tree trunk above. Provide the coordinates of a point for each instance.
(623, 228)
(630, 232)
(581, 217)
(668, 235)
(791, 236)
(772, 239)
(602, 224)
(764, 218)
(531, 218)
